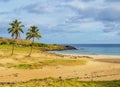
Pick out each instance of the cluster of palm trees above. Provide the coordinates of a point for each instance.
(17, 28)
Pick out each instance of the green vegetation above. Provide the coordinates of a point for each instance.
(33, 33)
(52, 82)
(57, 62)
(5, 42)
(40, 64)
(28, 66)
(33, 62)
(6, 49)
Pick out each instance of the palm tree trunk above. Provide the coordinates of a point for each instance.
(31, 47)
(13, 47)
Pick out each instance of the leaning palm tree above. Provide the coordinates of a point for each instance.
(15, 30)
(33, 33)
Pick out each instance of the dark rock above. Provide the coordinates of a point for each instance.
(70, 48)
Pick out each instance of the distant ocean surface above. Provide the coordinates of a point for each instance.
(93, 49)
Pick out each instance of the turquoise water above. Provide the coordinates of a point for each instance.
(93, 49)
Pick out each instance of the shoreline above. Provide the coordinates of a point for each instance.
(99, 58)
(90, 49)
(91, 55)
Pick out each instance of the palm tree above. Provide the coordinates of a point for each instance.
(15, 30)
(33, 33)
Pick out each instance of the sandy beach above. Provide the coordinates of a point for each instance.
(97, 67)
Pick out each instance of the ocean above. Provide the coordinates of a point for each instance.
(93, 49)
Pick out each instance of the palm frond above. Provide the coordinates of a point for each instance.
(33, 32)
(16, 28)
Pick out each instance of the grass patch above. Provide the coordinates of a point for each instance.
(64, 62)
(28, 66)
(43, 63)
(23, 66)
(51, 82)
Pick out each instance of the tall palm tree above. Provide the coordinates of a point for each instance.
(15, 30)
(33, 33)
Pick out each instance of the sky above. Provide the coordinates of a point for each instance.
(65, 21)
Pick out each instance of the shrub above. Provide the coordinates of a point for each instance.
(35, 44)
(3, 43)
(12, 42)
(42, 45)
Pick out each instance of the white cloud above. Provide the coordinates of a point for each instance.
(65, 16)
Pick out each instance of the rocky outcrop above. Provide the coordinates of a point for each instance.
(64, 47)
(70, 47)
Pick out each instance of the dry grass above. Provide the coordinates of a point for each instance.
(51, 82)
(38, 59)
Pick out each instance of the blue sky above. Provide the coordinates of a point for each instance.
(65, 21)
